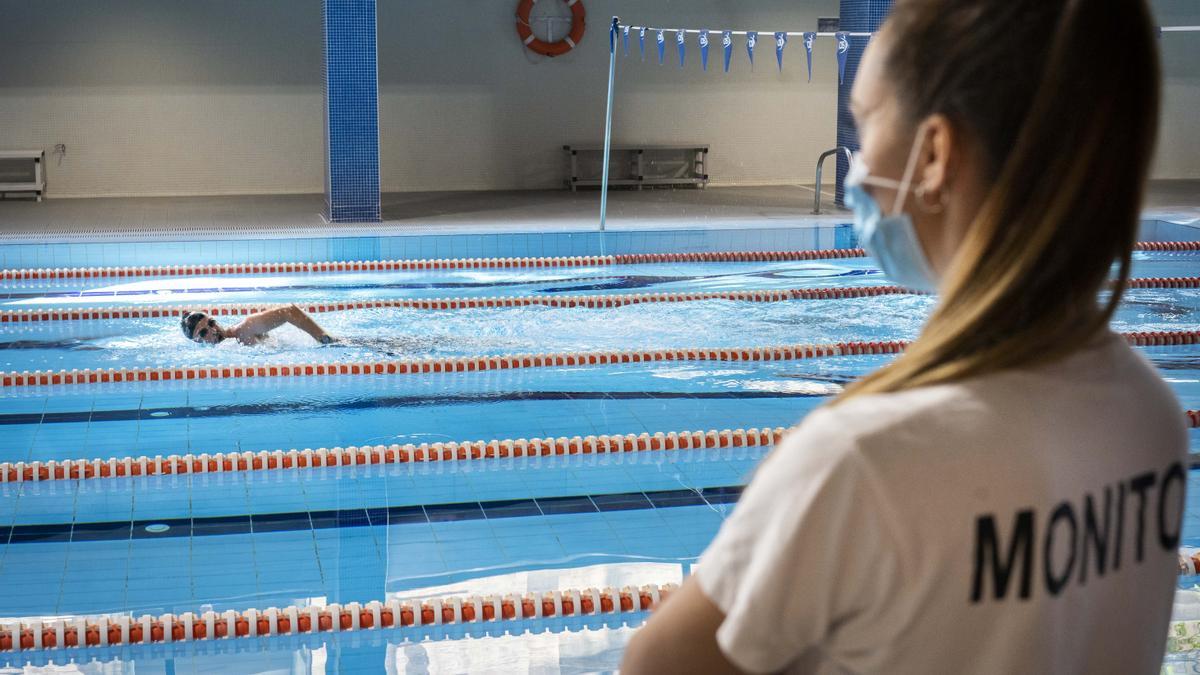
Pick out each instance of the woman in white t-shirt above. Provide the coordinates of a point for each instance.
(1006, 496)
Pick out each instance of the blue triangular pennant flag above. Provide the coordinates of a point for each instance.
(809, 39)
(704, 49)
(642, 42)
(780, 43)
(662, 47)
(751, 41)
(727, 46)
(843, 50)
(681, 42)
(625, 39)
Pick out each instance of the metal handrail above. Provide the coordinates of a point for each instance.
(820, 165)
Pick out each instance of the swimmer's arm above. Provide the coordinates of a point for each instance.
(680, 637)
(258, 325)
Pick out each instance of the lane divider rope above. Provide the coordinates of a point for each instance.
(1167, 246)
(424, 265)
(364, 455)
(228, 462)
(1164, 282)
(567, 301)
(471, 263)
(126, 629)
(458, 364)
(462, 364)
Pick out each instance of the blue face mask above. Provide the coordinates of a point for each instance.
(891, 240)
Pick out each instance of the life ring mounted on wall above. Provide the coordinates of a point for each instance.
(578, 17)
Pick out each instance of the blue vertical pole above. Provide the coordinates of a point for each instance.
(858, 16)
(612, 67)
(351, 103)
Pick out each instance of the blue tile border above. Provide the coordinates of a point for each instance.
(808, 235)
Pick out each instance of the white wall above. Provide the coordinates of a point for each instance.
(464, 100)
(175, 97)
(224, 96)
(1179, 135)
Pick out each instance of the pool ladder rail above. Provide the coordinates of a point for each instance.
(821, 165)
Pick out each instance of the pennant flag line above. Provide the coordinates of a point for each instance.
(704, 42)
(809, 39)
(843, 50)
(727, 46)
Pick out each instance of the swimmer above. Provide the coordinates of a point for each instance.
(202, 328)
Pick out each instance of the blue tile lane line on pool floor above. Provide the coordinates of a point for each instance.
(354, 563)
(366, 487)
(242, 410)
(315, 420)
(166, 528)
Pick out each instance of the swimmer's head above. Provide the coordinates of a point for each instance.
(200, 327)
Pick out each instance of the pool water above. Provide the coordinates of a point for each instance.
(354, 534)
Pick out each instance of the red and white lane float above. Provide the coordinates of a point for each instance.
(565, 301)
(496, 302)
(468, 263)
(423, 265)
(460, 364)
(127, 629)
(368, 455)
(464, 364)
(1179, 246)
(408, 453)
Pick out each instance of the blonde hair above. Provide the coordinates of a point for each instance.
(1062, 96)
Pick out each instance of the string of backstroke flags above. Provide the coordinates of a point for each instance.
(659, 35)
(781, 41)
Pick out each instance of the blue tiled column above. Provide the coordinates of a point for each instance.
(351, 83)
(857, 16)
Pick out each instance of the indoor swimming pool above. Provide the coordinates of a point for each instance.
(510, 491)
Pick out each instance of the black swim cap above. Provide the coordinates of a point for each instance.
(188, 323)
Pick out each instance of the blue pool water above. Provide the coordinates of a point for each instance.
(279, 538)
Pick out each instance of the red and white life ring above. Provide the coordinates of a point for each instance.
(578, 15)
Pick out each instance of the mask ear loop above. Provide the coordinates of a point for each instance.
(909, 170)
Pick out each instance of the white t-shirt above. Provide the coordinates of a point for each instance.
(961, 528)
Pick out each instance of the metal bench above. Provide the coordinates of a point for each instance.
(22, 171)
(638, 165)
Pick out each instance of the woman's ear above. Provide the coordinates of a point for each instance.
(934, 168)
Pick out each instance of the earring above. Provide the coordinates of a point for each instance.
(937, 206)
